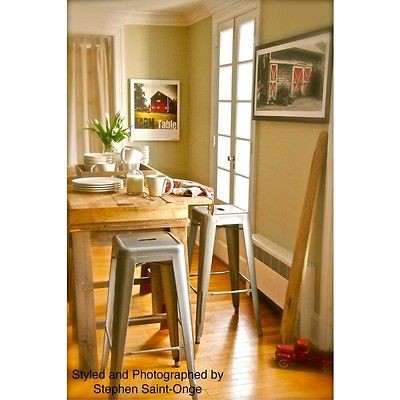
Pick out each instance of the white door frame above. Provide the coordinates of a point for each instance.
(242, 7)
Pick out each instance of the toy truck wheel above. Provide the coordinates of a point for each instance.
(283, 363)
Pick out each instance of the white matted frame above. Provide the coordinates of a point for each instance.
(154, 109)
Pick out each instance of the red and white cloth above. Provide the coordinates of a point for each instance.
(192, 189)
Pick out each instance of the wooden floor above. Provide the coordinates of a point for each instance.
(230, 347)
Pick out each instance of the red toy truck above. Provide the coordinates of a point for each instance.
(301, 352)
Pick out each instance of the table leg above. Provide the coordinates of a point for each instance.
(70, 287)
(84, 300)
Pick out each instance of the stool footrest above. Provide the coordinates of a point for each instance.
(130, 353)
(139, 280)
(193, 288)
(244, 277)
(230, 292)
(212, 273)
(147, 319)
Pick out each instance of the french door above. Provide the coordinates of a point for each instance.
(233, 139)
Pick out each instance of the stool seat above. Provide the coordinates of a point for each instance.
(166, 255)
(232, 219)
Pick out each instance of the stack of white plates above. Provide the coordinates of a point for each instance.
(97, 184)
(91, 159)
(145, 150)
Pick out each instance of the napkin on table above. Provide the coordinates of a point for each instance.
(192, 189)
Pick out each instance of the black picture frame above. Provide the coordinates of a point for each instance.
(292, 78)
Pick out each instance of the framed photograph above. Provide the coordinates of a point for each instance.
(292, 78)
(154, 109)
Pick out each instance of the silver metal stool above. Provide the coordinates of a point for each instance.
(231, 218)
(128, 251)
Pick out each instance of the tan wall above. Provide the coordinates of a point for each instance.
(199, 100)
(284, 149)
(161, 52)
(183, 53)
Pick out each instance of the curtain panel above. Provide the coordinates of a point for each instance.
(90, 91)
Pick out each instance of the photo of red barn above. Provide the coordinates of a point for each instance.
(289, 74)
(292, 77)
(161, 103)
(154, 106)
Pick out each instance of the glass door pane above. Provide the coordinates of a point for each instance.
(224, 148)
(243, 120)
(244, 81)
(241, 198)
(225, 83)
(224, 118)
(225, 46)
(242, 157)
(246, 41)
(224, 186)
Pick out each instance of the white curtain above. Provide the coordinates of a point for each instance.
(90, 91)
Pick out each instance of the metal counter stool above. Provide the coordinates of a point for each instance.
(230, 218)
(128, 251)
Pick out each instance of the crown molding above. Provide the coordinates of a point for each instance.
(87, 16)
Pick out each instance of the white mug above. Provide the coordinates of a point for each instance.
(157, 184)
(130, 155)
(103, 167)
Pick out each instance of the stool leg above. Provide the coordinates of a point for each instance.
(191, 241)
(207, 237)
(182, 289)
(109, 313)
(122, 299)
(171, 303)
(252, 272)
(232, 240)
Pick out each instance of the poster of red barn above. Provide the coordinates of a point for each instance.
(293, 78)
(154, 109)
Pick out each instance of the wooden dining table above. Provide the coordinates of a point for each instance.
(97, 217)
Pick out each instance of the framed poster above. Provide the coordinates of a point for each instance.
(292, 78)
(154, 109)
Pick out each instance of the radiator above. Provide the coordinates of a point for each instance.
(273, 263)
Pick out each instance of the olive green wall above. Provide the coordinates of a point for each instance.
(181, 53)
(199, 100)
(161, 52)
(285, 149)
